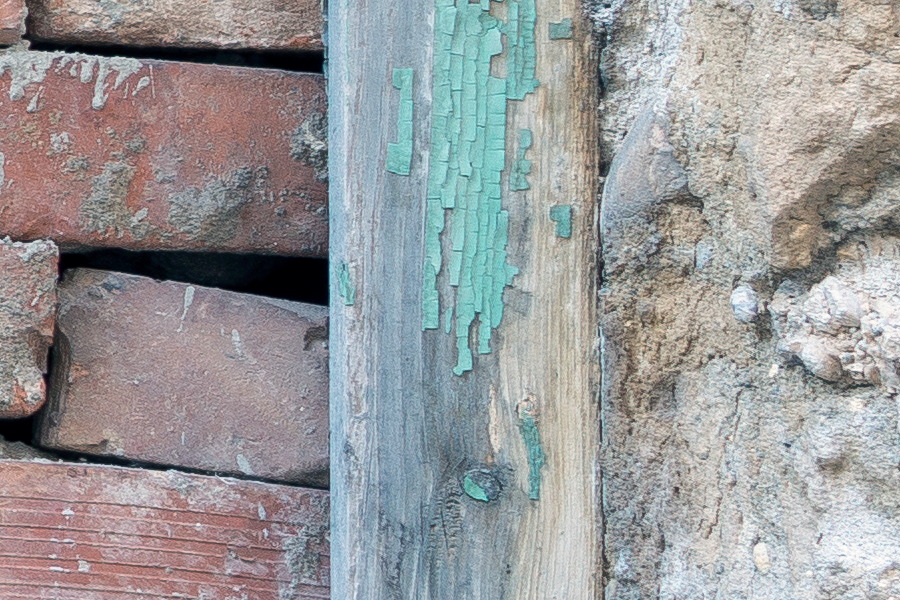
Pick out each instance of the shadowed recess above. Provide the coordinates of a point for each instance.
(302, 62)
(288, 278)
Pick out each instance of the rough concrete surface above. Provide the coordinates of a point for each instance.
(28, 273)
(159, 155)
(751, 298)
(87, 532)
(231, 24)
(189, 376)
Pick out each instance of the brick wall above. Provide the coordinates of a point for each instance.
(163, 375)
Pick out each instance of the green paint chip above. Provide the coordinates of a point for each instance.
(522, 53)
(562, 216)
(345, 287)
(473, 490)
(466, 228)
(448, 320)
(536, 457)
(562, 30)
(399, 154)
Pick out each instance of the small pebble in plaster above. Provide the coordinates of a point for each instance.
(703, 255)
(745, 304)
(761, 557)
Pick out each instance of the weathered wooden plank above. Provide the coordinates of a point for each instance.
(463, 333)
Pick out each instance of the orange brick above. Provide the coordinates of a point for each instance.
(12, 21)
(28, 275)
(183, 375)
(77, 532)
(156, 155)
(243, 24)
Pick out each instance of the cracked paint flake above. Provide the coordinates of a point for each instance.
(562, 216)
(522, 54)
(345, 286)
(468, 156)
(474, 491)
(534, 451)
(562, 30)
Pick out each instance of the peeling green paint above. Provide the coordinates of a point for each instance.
(562, 216)
(518, 178)
(345, 286)
(562, 30)
(536, 457)
(468, 156)
(475, 491)
(521, 57)
(399, 153)
(482, 484)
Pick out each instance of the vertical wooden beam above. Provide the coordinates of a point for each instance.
(449, 479)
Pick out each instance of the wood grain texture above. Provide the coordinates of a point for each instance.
(405, 429)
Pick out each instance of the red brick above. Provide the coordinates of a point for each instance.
(12, 21)
(196, 377)
(28, 274)
(155, 155)
(243, 24)
(77, 532)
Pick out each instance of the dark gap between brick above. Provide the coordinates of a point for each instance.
(287, 278)
(18, 430)
(121, 462)
(303, 62)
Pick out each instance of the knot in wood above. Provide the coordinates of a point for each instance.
(481, 485)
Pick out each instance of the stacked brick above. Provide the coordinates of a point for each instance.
(12, 21)
(224, 382)
(104, 533)
(137, 154)
(155, 155)
(27, 309)
(251, 24)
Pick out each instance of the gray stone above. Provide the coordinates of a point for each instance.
(745, 304)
